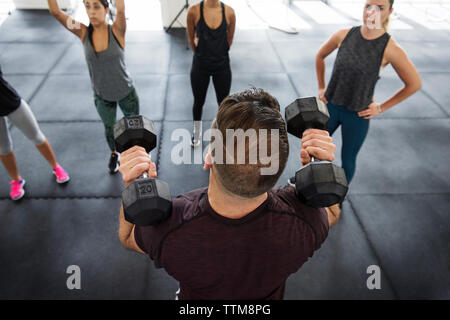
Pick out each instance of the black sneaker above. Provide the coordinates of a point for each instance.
(114, 163)
(291, 181)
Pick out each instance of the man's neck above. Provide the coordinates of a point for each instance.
(211, 3)
(229, 205)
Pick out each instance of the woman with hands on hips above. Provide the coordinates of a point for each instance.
(363, 52)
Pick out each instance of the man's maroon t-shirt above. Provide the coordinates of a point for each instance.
(214, 257)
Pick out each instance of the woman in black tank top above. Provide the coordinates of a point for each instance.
(363, 52)
(210, 35)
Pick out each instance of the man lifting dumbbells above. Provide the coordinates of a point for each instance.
(239, 238)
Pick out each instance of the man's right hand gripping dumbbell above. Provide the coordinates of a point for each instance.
(318, 144)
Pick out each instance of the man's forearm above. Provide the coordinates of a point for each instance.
(125, 228)
(333, 212)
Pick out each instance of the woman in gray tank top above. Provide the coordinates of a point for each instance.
(104, 51)
(363, 52)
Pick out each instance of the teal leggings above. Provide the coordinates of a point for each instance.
(107, 111)
(354, 132)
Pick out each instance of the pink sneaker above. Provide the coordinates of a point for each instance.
(17, 191)
(61, 174)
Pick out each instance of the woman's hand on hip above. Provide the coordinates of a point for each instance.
(373, 110)
(322, 95)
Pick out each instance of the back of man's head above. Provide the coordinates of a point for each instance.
(250, 122)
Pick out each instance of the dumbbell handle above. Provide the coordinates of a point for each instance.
(318, 160)
(312, 160)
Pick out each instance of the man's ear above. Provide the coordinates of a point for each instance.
(208, 162)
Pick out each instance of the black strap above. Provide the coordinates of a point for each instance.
(201, 11)
(114, 36)
(223, 13)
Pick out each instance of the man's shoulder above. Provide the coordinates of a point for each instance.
(285, 200)
(187, 206)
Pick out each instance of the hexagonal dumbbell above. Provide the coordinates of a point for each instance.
(146, 201)
(320, 183)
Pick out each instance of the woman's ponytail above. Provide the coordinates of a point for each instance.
(386, 24)
(387, 21)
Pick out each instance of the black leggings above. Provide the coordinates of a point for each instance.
(200, 82)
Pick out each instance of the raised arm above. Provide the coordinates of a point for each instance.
(231, 26)
(126, 233)
(134, 162)
(68, 22)
(120, 23)
(319, 144)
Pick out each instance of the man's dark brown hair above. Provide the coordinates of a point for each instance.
(250, 109)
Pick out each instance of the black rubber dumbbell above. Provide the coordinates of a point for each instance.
(146, 201)
(318, 184)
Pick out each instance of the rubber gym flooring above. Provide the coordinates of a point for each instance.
(395, 216)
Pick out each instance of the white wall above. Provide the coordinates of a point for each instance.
(170, 9)
(42, 4)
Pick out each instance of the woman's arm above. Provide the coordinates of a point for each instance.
(407, 72)
(68, 22)
(231, 26)
(190, 26)
(120, 23)
(332, 44)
